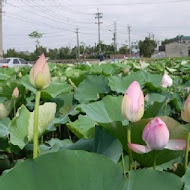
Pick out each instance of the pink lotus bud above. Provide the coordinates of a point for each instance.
(132, 106)
(15, 93)
(156, 134)
(166, 81)
(20, 74)
(40, 74)
(185, 113)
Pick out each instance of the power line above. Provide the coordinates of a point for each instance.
(127, 4)
(111, 21)
(55, 15)
(31, 12)
(120, 4)
(38, 23)
(49, 18)
(59, 6)
(68, 18)
(23, 19)
(68, 9)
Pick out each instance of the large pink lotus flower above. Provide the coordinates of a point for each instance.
(156, 136)
(132, 106)
(40, 74)
(15, 93)
(185, 113)
(166, 81)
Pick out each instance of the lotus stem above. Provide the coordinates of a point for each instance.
(187, 151)
(69, 134)
(42, 139)
(14, 106)
(135, 163)
(11, 152)
(123, 165)
(129, 150)
(154, 163)
(72, 84)
(36, 115)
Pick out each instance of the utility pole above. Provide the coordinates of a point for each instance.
(98, 16)
(115, 37)
(78, 46)
(1, 28)
(151, 35)
(129, 38)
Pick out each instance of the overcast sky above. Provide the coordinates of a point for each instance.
(58, 19)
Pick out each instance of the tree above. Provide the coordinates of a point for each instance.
(39, 50)
(147, 47)
(14, 53)
(64, 53)
(165, 42)
(123, 49)
(36, 35)
(82, 47)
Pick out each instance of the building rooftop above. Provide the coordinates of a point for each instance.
(179, 38)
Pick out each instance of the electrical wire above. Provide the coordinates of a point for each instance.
(126, 4)
(39, 23)
(49, 18)
(55, 14)
(59, 6)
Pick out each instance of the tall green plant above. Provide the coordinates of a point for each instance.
(40, 79)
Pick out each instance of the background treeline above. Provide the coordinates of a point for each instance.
(89, 52)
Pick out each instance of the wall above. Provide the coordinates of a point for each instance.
(176, 49)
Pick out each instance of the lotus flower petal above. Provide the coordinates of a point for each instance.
(140, 149)
(176, 144)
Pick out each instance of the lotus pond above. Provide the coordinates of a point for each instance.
(83, 136)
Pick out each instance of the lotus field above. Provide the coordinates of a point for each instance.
(123, 125)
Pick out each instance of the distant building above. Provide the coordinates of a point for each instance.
(177, 47)
(180, 39)
(158, 44)
(158, 51)
(135, 47)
